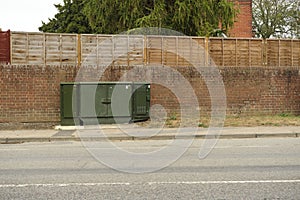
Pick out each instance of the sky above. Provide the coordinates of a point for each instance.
(26, 15)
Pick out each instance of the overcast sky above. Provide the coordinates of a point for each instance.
(26, 15)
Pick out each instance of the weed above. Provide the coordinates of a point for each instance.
(202, 125)
(173, 117)
(285, 115)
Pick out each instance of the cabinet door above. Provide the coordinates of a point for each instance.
(120, 96)
(141, 98)
(66, 104)
(88, 94)
(66, 92)
(101, 101)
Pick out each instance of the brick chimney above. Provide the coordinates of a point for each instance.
(243, 25)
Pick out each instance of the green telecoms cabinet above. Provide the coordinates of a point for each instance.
(104, 102)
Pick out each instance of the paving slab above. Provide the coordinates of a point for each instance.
(133, 132)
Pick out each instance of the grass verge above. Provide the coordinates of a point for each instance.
(230, 121)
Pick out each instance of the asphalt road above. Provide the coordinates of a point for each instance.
(235, 169)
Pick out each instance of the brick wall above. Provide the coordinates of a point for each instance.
(31, 94)
(243, 25)
(249, 90)
(262, 91)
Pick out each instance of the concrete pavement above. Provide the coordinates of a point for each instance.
(132, 132)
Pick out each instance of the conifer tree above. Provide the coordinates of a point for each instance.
(69, 19)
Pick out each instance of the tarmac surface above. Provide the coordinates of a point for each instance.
(132, 132)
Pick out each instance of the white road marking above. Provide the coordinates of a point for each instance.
(14, 149)
(236, 147)
(224, 182)
(148, 183)
(58, 185)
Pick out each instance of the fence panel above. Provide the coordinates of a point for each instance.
(295, 52)
(35, 49)
(89, 49)
(198, 52)
(128, 50)
(69, 51)
(256, 49)
(273, 52)
(236, 52)
(154, 50)
(112, 50)
(216, 52)
(175, 51)
(44, 48)
(229, 52)
(136, 55)
(169, 51)
(184, 50)
(53, 45)
(283, 52)
(19, 47)
(243, 53)
(61, 49)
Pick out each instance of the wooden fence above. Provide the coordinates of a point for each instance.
(84, 49)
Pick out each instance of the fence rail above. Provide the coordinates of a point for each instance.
(84, 49)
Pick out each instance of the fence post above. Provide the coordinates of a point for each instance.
(206, 51)
(44, 49)
(279, 60)
(79, 49)
(292, 53)
(236, 56)
(223, 62)
(176, 47)
(97, 49)
(145, 50)
(60, 49)
(27, 49)
(249, 52)
(162, 50)
(265, 52)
